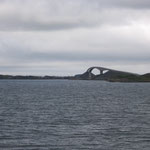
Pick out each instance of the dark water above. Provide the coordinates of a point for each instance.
(74, 115)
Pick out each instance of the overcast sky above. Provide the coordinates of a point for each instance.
(66, 37)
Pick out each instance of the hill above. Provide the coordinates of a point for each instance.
(113, 76)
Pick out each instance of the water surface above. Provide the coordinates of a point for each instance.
(74, 115)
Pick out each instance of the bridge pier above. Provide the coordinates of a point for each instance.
(101, 72)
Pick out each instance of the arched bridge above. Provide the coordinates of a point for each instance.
(90, 75)
(104, 73)
(101, 69)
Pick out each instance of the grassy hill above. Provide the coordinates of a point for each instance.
(131, 78)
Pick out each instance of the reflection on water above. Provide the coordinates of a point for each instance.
(74, 115)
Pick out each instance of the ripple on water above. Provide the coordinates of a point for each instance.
(61, 114)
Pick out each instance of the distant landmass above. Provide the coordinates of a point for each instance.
(105, 74)
(112, 75)
(33, 77)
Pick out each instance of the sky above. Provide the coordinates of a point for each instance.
(66, 37)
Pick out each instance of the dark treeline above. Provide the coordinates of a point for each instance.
(117, 78)
(33, 77)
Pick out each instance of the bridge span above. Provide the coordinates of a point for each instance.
(104, 73)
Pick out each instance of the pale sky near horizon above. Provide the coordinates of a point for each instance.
(66, 37)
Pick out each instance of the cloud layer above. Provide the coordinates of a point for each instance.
(51, 36)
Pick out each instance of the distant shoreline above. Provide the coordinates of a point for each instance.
(126, 78)
(10, 77)
(15, 77)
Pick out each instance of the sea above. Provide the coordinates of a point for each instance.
(74, 115)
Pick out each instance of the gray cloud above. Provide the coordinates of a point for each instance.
(43, 15)
(73, 33)
(136, 4)
(35, 15)
(28, 56)
(70, 63)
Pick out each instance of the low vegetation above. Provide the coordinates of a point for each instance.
(131, 78)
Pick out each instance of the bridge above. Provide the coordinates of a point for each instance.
(104, 73)
(101, 70)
